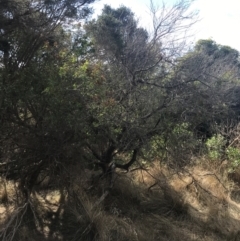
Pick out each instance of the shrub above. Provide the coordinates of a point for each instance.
(215, 146)
(233, 155)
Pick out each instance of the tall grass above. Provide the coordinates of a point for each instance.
(153, 204)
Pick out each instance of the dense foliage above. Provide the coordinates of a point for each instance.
(107, 95)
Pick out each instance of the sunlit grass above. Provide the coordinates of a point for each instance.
(152, 204)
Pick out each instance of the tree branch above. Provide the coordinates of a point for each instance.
(129, 164)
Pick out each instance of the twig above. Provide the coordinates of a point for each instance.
(14, 223)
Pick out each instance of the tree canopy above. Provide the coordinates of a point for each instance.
(106, 92)
(107, 95)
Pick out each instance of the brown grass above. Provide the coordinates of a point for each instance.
(153, 204)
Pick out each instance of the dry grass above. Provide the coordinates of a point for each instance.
(201, 197)
(153, 204)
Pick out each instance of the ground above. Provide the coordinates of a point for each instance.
(154, 203)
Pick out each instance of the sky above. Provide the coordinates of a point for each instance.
(218, 19)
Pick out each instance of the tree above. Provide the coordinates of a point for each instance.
(135, 97)
(37, 110)
(39, 131)
(26, 26)
(102, 97)
(208, 74)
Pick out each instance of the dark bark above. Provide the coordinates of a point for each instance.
(130, 163)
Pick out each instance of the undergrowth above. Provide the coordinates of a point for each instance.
(152, 204)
